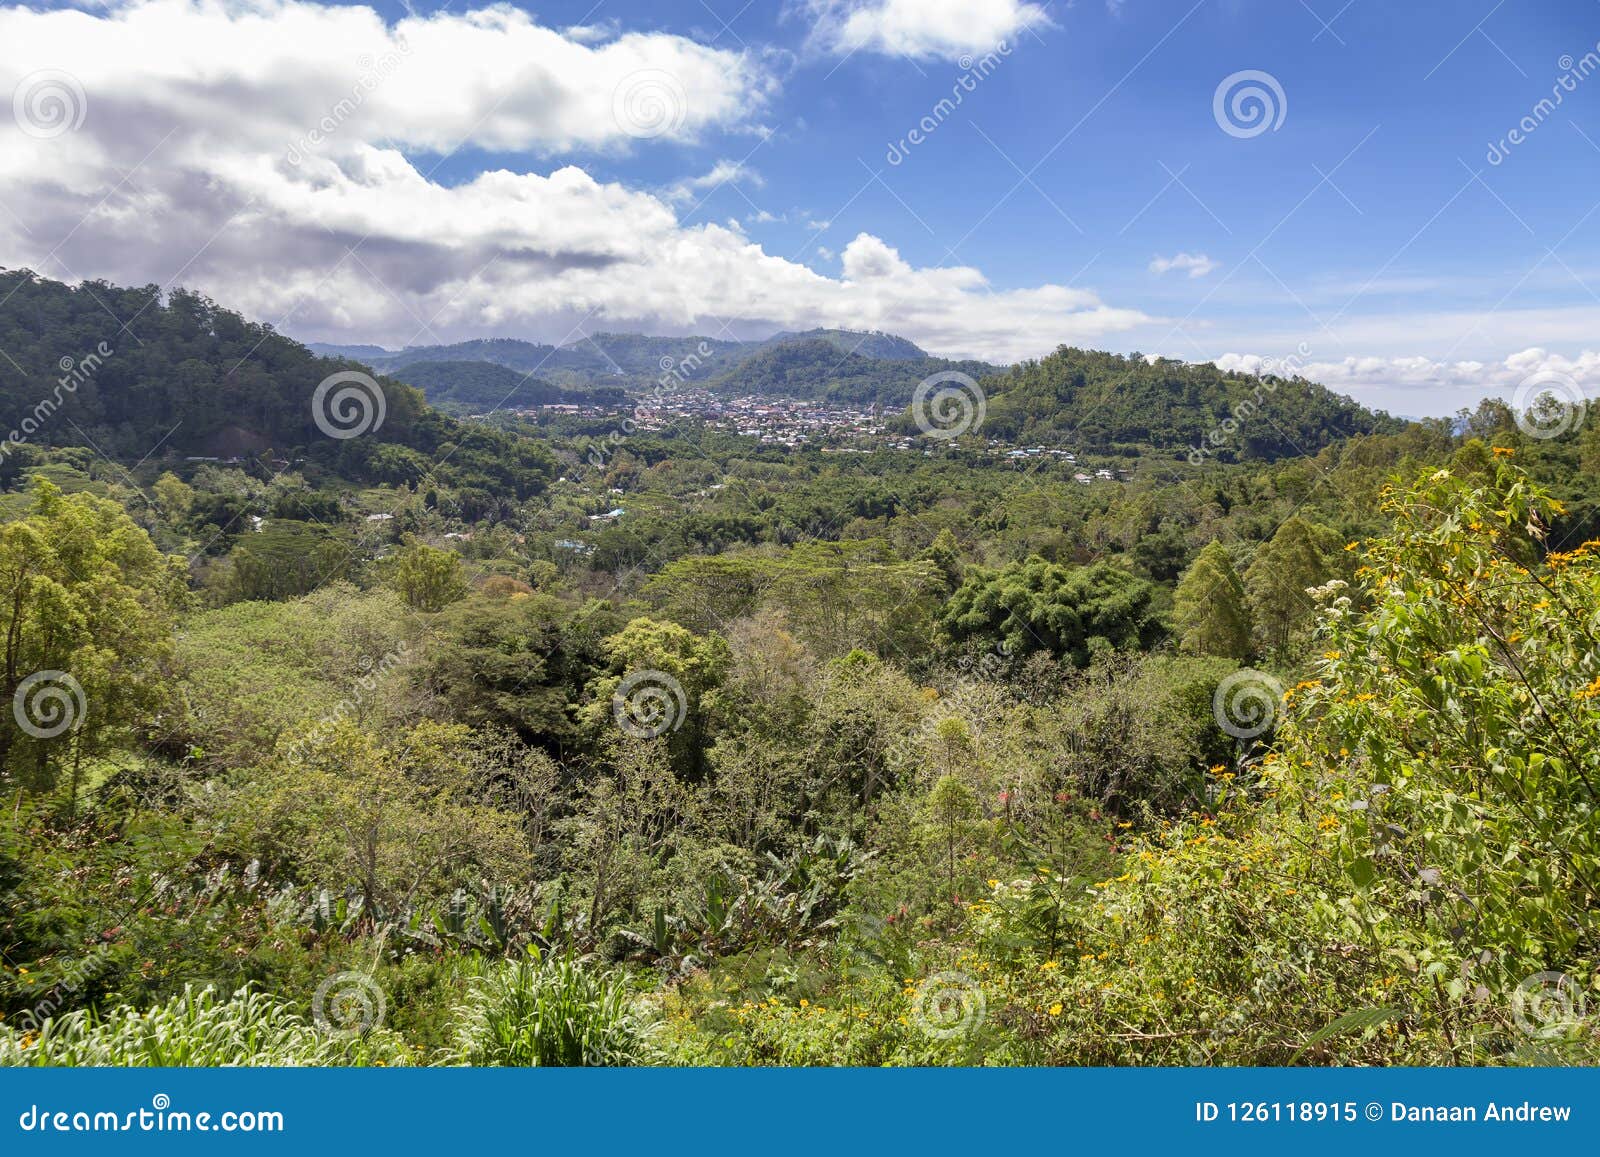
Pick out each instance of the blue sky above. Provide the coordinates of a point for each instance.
(1083, 191)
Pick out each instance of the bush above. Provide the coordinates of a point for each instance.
(549, 1011)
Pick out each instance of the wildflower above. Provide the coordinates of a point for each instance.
(1503, 452)
(1055, 1009)
(1327, 823)
(1049, 966)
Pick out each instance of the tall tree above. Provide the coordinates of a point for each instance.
(1212, 616)
(1278, 580)
(86, 609)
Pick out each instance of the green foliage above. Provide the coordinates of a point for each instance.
(549, 1011)
(196, 1029)
(1210, 613)
(86, 608)
(1070, 612)
(427, 578)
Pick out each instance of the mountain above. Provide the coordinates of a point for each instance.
(869, 344)
(639, 361)
(479, 385)
(1110, 402)
(635, 360)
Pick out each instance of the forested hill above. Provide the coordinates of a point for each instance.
(127, 374)
(489, 385)
(816, 367)
(1109, 401)
(869, 344)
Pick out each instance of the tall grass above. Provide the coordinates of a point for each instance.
(196, 1029)
(549, 1011)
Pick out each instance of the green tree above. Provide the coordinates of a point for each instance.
(1071, 612)
(1280, 576)
(429, 579)
(86, 608)
(1210, 613)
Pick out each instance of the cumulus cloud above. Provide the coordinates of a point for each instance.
(1194, 264)
(922, 29)
(1520, 377)
(277, 155)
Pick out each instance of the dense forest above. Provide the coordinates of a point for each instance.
(450, 742)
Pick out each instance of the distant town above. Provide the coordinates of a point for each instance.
(831, 427)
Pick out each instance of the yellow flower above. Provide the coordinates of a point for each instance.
(804, 1003)
(1503, 452)
(1049, 966)
(1055, 1009)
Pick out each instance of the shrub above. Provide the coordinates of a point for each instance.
(549, 1011)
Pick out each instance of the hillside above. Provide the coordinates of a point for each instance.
(816, 367)
(869, 344)
(488, 385)
(184, 377)
(1111, 402)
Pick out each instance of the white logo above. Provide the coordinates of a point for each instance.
(49, 103)
(949, 1004)
(348, 1004)
(48, 703)
(1538, 417)
(355, 408)
(1248, 103)
(1245, 704)
(649, 103)
(649, 703)
(948, 410)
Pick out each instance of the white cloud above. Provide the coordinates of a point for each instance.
(1195, 264)
(922, 29)
(271, 70)
(722, 173)
(1421, 384)
(208, 107)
